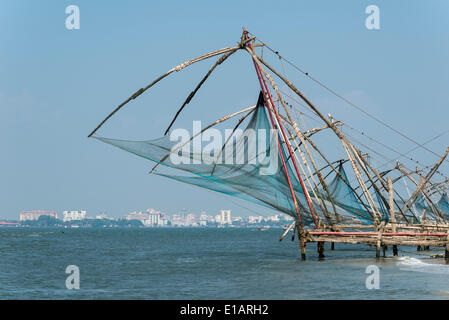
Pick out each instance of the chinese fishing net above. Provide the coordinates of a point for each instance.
(248, 166)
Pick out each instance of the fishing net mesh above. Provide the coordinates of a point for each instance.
(250, 167)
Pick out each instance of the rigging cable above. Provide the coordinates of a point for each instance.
(321, 84)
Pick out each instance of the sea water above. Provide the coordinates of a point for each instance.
(195, 263)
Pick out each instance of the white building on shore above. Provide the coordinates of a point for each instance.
(73, 215)
(225, 217)
(32, 215)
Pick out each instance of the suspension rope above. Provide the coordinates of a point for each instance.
(321, 84)
(400, 155)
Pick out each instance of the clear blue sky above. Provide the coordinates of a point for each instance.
(56, 85)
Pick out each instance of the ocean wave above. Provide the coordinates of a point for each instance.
(415, 264)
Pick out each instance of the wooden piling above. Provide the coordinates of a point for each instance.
(392, 216)
(320, 248)
(379, 239)
(302, 243)
(446, 253)
(395, 250)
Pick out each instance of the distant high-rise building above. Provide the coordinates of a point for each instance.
(73, 215)
(35, 214)
(163, 221)
(203, 219)
(226, 217)
(154, 218)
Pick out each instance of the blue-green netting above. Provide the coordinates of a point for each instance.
(345, 198)
(441, 207)
(259, 178)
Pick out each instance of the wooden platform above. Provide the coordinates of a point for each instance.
(384, 235)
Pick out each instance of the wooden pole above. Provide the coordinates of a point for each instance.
(446, 253)
(262, 71)
(177, 68)
(392, 216)
(320, 201)
(379, 238)
(302, 137)
(337, 172)
(267, 97)
(292, 225)
(314, 109)
(320, 249)
(192, 94)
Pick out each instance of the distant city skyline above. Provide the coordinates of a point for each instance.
(150, 218)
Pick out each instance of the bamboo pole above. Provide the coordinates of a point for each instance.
(362, 162)
(330, 124)
(379, 178)
(290, 227)
(304, 160)
(177, 68)
(358, 175)
(273, 84)
(267, 97)
(192, 94)
(317, 112)
(302, 139)
(300, 228)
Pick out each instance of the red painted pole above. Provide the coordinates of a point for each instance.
(375, 233)
(266, 92)
(280, 146)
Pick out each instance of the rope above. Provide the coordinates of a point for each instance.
(321, 84)
(403, 155)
